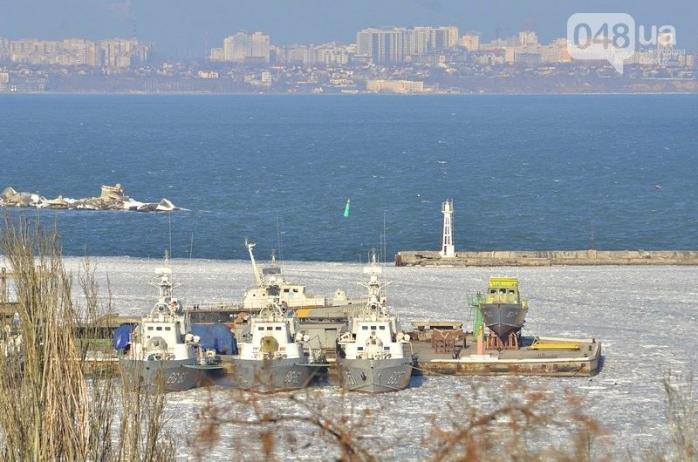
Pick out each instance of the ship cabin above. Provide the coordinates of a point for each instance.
(270, 338)
(163, 334)
(374, 337)
(290, 295)
(503, 290)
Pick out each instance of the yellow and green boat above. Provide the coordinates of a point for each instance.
(503, 311)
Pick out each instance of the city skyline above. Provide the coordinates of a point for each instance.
(184, 29)
(391, 46)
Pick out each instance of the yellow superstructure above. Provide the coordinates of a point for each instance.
(504, 290)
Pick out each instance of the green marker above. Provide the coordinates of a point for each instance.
(346, 208)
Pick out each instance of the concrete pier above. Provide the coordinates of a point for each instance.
(548, 258)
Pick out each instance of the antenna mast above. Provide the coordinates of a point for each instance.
(257, 277)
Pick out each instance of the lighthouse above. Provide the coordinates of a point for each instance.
(447, 249)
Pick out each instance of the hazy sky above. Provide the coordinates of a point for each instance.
(188, 28)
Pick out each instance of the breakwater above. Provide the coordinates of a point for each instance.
(549, 258)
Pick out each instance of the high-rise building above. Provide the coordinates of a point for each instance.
(259, 47)
(243, 47)
(470, 41)
(396, 44)
(123, 53)
(419, 41)
(383, 46)
(444, 37)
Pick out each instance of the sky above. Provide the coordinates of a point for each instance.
(188, 28)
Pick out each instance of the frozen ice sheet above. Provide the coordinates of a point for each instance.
(645, 317)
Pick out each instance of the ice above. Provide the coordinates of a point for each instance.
(642, 316)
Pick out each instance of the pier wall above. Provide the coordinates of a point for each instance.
(549, 258)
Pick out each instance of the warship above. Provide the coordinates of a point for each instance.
(271, 287)
(271, 354)
(371, 353)
(162, 351)
(503, 311)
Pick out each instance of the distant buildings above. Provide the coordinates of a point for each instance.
(114, 53)
(244, 48)
(398, 45)
(327, 54)
(395, 86)
(470, 41)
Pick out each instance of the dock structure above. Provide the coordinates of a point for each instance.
(447, 256)
(549, 258)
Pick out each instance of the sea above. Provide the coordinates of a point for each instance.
(525, 172)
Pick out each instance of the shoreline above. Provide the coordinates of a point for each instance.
(546, 258)
(344, 95)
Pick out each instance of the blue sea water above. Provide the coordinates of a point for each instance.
(526, 172)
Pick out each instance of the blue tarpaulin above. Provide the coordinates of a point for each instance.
(121, 336)
(217, 337)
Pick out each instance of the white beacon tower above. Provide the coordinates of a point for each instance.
(447, 249)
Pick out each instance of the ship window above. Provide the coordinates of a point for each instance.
(168, 328)
(364, 327)
(150, 327)
(502, 291)
(386, 348)
(493, 291)
(158, 328)
(373, 327)
(295, 290)
(360, 348)
(260, 328)
(382, 327)
(270, 328)
(278, 327)
(286, 290)
(511, 292)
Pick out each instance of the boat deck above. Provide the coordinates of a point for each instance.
(561, 357)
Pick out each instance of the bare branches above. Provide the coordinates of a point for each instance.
(52, 405)
(274, 419)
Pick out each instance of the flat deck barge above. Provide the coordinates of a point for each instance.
(548, 258)
(540, 356)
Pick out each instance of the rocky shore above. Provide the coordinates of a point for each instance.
(110, 198)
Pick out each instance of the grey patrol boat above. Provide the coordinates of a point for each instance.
(162, 352)
(372, 354)
(271, 355)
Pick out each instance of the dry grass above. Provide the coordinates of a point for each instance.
(51, 408)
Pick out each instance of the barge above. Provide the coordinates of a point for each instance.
(539, 356)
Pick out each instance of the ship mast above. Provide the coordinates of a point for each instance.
(257, 277)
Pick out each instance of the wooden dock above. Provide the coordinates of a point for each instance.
(548, 258)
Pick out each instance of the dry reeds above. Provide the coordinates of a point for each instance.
(52, 407)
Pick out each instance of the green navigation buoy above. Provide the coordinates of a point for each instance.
(346, 208)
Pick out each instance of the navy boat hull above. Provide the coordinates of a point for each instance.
(374, 375)
(267, 375)
(503, 318)
(167, 375)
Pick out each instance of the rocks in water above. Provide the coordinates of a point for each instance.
(110, 198)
